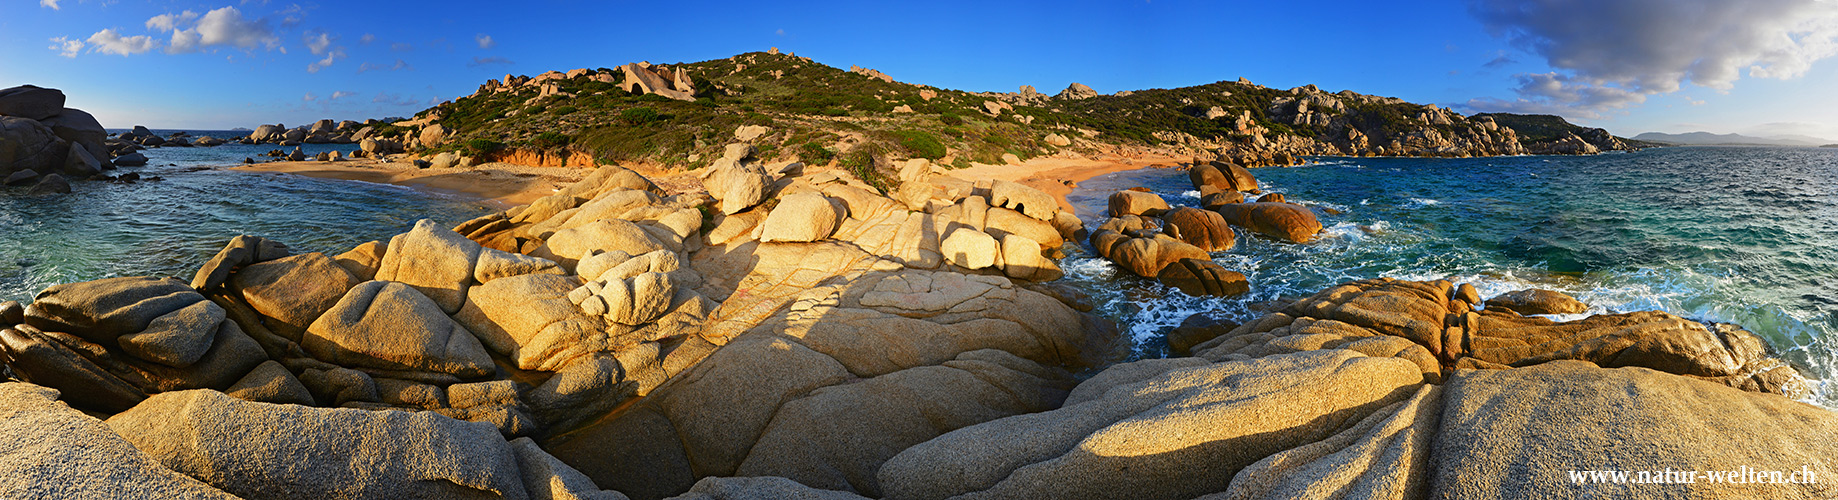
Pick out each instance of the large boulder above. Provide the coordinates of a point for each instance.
(1536, 301)
(1199, 277)
(1132, 202)
(293, 291)
(261, 450)
(102, 310)
(1284, 221)
(969, 248)
(1021, 198)
(1137, 245)
(434, 260)
(267, 133)
(54, 451)
(50, 184)
(1579, 417)
(79, 127)
(1201, 228)
(26, 144)
(433, 135)
(79, 164)
(389, 326)
(737, 183)
(31, 102)
(1155, 435)
(802, 217)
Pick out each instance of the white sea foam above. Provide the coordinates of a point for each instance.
(1420, 203)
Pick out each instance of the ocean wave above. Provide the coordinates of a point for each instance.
(1415, 203)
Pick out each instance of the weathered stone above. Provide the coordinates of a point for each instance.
(1145, 439)
(104, 309)
(874, 419)
(1647, 421)
(176, 339)
(31, 102)
(270, 382)
(759, 488)
(1200, 277)
(970, 249)
(1201, 228)
(54, 451)
(434, 260)
(802, 217)
(259, 449)
(1021, 198)
(1293, 223)
(1130, 202)
(390, 326)
(293, 291)
(1535, 301)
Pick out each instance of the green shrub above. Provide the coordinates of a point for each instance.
(951, 119)
(639, 115)
(920, 144)
(998, 140)
(533, 110)
(815, 154)
(565, 111)
(480, 147)
(551, 140)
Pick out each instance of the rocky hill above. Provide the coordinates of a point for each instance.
(680, 115)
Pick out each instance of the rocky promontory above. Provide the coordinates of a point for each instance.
(786, 331)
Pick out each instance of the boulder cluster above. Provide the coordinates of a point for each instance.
(639, 78)
(320, 132)
(1149, 238)
(46, 145)
(784, 334)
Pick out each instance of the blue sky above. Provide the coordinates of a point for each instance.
(1748, 66)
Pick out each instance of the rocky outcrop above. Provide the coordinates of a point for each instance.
(54, 451)
(39, 137)
(1283, 221)
(258, 449)
(1341, 398)
(1534, 301)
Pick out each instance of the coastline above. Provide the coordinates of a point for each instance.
(1059, 176)
(502, 184)
(508, 184)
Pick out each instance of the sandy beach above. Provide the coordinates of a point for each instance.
(1058, 176)
(504, 183)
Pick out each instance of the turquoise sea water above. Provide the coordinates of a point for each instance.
(1740, 235)
(171, 227)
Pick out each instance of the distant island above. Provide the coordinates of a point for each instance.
(241, 129)
(1830, 146)
(1709, 139)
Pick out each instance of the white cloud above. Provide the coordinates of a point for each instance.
(49, 3)
(227, 26)
(399, 65)
(66, 47)
(1646, 47)
(485, 61)
(781, 32)
(109, 42)
(342, 94)
(485, 41)
(1554, 93)
(309, 97)
(320, 44)
(170, 22)
(366, 39)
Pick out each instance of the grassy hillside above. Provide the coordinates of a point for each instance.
(819, 114)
